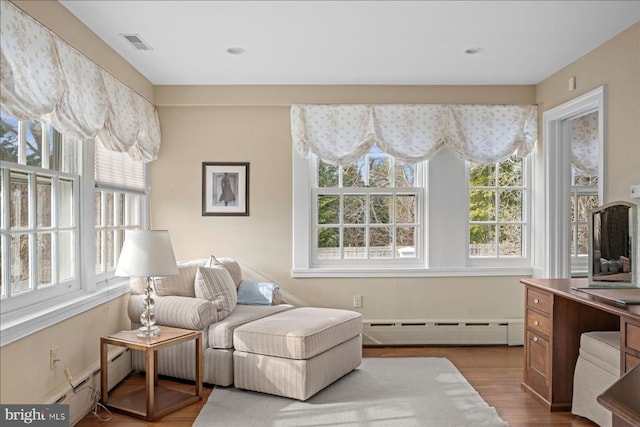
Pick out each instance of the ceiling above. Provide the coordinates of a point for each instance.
(354, 42)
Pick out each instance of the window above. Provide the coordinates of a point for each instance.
(115, 212)
(65, 207)
(40, 212)
(120, 185)
(497, 222)
(584, 196)
(368, 210)
(382, 217)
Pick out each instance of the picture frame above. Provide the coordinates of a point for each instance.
(225, 188)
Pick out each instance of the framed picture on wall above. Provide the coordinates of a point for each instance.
(225, 189)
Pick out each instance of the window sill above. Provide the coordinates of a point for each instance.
(412, 272)
(22, 323)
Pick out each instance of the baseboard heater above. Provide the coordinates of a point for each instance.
(81, 398)
(443, 332)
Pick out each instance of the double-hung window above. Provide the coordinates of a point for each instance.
(119, 205)
(65, 206)
(442, 215)
(368, 212)
(40, 182)
(381, 216)
(497, 209)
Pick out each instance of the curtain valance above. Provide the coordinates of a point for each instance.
(341, 134)
(585, 147)
(42, 75)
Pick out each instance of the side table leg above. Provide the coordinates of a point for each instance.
(104, 382)
(151, 380)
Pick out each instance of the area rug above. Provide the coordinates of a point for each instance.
(394, 392)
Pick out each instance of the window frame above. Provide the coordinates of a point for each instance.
(440, 257)
(107, 271)
(35, 292)
(505, 261)
(46, 309)
(367, 191)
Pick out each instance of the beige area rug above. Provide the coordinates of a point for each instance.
(394, 392)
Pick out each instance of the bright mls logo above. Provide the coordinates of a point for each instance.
(36, 415)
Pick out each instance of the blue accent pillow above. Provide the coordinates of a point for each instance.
(252, 292)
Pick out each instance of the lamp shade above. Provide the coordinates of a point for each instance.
(146, 253)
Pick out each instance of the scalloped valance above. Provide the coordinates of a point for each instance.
(341, 134)
(42, 75)
(585, 147)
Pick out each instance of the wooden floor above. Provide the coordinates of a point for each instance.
(495, 372)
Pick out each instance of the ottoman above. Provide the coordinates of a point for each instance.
(597, 368)
(298, 352)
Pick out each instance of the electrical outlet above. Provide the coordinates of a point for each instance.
(53, 357)
(357, 301)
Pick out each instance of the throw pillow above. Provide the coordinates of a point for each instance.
(230, 264)
(216, 285)
(252, 292)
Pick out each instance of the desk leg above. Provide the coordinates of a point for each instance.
(199, 366)
(104, 382)
(151, 378)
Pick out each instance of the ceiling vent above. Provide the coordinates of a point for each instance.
(136, 41)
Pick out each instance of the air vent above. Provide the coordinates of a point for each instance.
(136, 41)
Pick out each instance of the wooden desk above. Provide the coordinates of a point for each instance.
(623, 399)
(555, 317)
(153, 401)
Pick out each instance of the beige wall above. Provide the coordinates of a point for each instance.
(24, 371)
(25, 376)
(251, 124)
(615, 64)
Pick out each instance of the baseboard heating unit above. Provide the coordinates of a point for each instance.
(85, 392)
(443, 332)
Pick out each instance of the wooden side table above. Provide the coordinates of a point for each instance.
(153, 401)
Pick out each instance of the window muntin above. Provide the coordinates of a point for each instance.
(497, 214)
(366, 211)
(40, 211)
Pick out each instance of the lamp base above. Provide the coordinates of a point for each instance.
(146, 331)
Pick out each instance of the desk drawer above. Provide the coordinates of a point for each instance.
(539, 300)
(537, 364)
(630, 362)
(632, 337)
(538, 322)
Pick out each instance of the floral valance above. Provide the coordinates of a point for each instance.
(585, 147)
(341, 134)
(41, 75)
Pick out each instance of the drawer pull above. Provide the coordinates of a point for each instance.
(535, 339)
(536, 301)
(536, 323)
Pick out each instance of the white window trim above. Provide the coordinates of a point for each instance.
(433, 265)
(553, 250)
(34, 318)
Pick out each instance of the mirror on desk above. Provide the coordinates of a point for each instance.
(612, 245)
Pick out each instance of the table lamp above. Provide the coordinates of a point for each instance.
(147, 253)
